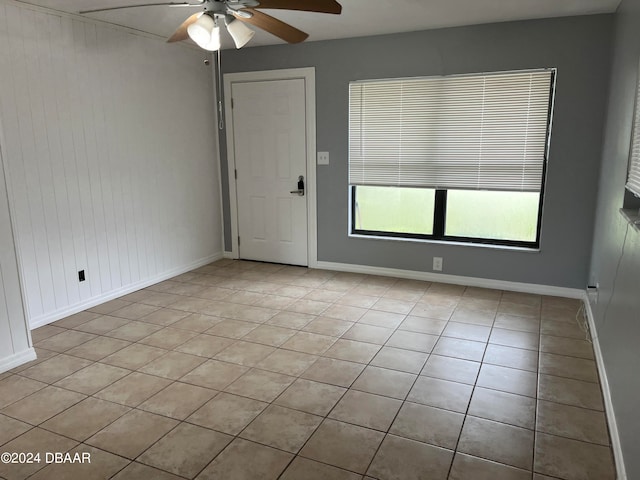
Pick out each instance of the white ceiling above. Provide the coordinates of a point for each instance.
(359, 17)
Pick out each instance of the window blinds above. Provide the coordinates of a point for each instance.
(480, 132)
(633, 182)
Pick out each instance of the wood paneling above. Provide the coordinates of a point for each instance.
(110, 143)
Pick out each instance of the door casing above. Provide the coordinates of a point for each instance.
(308, 75)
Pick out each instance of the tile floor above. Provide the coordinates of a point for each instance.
(242, 370)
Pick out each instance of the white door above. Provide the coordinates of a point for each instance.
(269, 137)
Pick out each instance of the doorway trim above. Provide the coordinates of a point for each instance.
(307, 74)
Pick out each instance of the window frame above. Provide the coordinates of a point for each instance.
(440, 206)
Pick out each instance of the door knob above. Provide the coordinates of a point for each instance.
(300, 190)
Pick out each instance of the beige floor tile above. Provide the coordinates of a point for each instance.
(420, 342)
(172, 365)
(93, 378)
(55, 368)
(383, 319)
(135, 311)
(423, 325)
(85, 419)
(522, 298)
(562, 329)
(42, 405)
(269, 335)
(358, 300)
(404, 459)
(137, 471)
(428, 425)
(518, 309)
(312, 397)
(573, 460)
(446, 289)
(103, 465)
(244, 460)
(441, 393)
(132, 433)
(465, 331)
(260, 385)
(232, 328)
(41, 355)
(134, 356)
(437, 312)
(245, 353)
(197, 322)
(168, 338)
(483, 293)
(334, 372)
(186, 450)
(569, 367)
(368, 334)
(382, 381)
(321, 295)
(366, 410)
(44, 332)
(311, 307)
(65, 341)
(276, 302)
(503, 407)
(328, 326)
(282, 428)
(205, 345)
(343, 445)
(466, 467)
(134, 331)
(392, 305)
(498, 442)
(311, 343)
(352, 351)
(566, 346)
(508, 380)
(293, 291)
(214, 374)
(133, 389)
(516, 322)
(291, 320)
(514, 338)
(570, 392)
(103, 324)
(465, 314)
(519, 358)
(11, 428)
(344, 312)
(287, 362)
(164, 317)
(227, 413)
(449, 368)
(464, 349)
(399, 359)
(17, 387)
(178, 400)
(572, 422)
(98, 348)
(108, 307)
(72, 321)
(303, 468)
(34, 441)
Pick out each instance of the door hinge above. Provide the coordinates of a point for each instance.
(232, 104)
(235, 173)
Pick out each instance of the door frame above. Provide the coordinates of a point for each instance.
(307, 74)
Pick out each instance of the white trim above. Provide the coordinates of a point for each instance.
(92, 302)
(606, 394)
(229, 255)
(308, 74)
(17, 359)
(455, 279)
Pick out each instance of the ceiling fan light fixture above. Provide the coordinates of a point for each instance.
(240, 33)
(214, 43)
(201, 30)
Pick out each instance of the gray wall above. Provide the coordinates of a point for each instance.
(617, 269)
(578, 46)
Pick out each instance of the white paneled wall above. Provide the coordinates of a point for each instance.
(110, 143)
(15, 345)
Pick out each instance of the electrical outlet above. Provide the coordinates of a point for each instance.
(81, 276)
(323, 158)
(437, 264)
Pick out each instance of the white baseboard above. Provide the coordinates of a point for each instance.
(606, 394)
(230, 255)
(455, 279)
(92, 302)
(17, 359)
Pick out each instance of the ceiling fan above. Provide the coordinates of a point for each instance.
(204, 27)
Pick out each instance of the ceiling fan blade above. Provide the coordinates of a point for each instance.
(181, 33)
(274, 26)
(320, 6)
(169, 4)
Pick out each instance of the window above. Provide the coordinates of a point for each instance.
(633, 181)
(457, 158)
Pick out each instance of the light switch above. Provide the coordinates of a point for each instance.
(323, 158)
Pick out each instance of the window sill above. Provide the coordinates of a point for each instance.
(632, 216)
(443, 242)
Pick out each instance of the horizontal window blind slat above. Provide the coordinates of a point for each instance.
(484, 131)
(633, 181)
